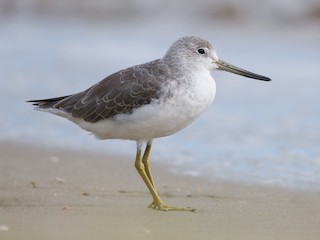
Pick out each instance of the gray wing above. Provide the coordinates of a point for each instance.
(119, 93)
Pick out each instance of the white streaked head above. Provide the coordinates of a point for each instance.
(192, 52)
(195, 53)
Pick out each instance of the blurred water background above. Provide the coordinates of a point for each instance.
(256, 132)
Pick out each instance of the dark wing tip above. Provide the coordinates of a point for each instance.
(34, 102)
(46, 102)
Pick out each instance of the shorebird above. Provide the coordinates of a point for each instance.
(148, 101)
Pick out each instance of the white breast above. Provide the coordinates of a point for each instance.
(160, 118)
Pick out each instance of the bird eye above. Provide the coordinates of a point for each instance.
(201, 51)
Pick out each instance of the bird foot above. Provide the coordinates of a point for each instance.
(158, 205)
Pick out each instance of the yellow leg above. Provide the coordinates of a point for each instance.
(146, 163)
(143, 167)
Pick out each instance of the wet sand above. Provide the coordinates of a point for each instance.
(60, 194)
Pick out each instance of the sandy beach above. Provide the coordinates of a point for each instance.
(61, 194)
(253, 159)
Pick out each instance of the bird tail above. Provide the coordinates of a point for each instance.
(47, 103)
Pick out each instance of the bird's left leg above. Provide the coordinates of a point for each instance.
(157, 203)
(146, 162)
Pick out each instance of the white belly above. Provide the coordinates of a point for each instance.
(160, 118)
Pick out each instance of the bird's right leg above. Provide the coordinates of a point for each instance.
(147, 168)
(142, 165)
(146, 162)
(143, 173)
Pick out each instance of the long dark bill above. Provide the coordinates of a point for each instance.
(224, 66)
